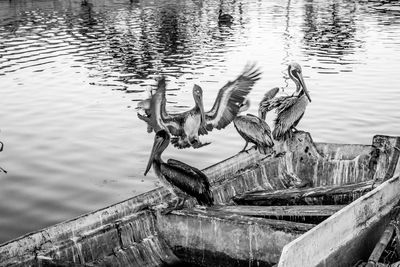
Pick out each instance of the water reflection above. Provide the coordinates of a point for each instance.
(330, 31)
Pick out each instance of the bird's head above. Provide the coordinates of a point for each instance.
(295, 73)
(161, 141)
(198, 98)
(144, 104)
(245, 105)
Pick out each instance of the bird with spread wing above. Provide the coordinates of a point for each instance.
(187, 126)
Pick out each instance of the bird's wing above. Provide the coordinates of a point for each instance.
(277, 103)
(288, 116)
(230, 97)
(254, 128)
(187, 168)
(188, 179)
(286, 103)
(270, 94)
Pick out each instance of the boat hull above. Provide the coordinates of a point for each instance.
(136, 232)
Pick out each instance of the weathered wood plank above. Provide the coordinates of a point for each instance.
(152, 251)
(306, 214)
(48, 262)
(324, 195)
(214, 238)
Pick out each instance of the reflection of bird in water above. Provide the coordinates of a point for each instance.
(290, 109)
(177, 176)
(224, 18)
(254, 129)
(187, 126)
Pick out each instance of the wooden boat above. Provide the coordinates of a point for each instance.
(260, 219)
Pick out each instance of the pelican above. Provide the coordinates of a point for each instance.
(254, 129)
(290, 109)
(224, 18)
(177, 176)
(187, 126)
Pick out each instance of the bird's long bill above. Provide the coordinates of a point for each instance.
(203, 115)
(303, 85)
(156, 146)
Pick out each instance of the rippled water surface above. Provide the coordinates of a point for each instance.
(71, 77)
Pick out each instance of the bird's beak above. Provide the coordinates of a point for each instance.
(156, 146)
(201, 105)
(203, 115)
(303, 85)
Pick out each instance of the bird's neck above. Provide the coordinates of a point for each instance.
(298, 87)
(157, 163)
(157, 158)
(261, 114)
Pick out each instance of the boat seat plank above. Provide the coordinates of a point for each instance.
(302, 213)
(278, 211)
(323, 195)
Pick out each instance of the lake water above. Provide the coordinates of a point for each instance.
(71, 77)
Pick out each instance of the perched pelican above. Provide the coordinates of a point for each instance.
(290, 109)
(224, 18)
(187, 126)
(177, 176)
(254, 129)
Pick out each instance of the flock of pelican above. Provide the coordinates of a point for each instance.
(183, 129)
